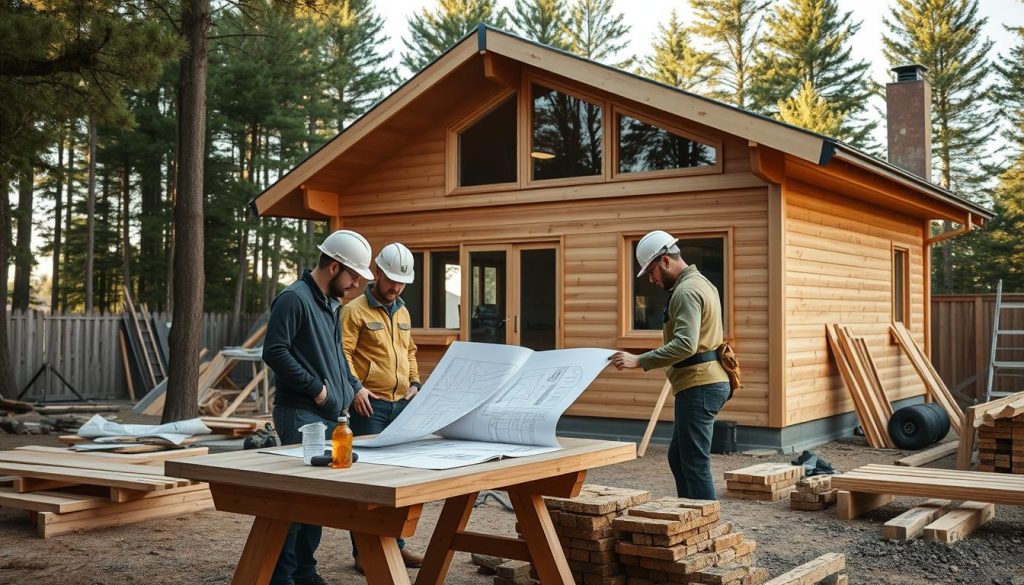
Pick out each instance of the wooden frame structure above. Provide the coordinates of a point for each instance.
(811, 223)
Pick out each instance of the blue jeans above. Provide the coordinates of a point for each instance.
(689, 453)
(383, 413)
(296, 559)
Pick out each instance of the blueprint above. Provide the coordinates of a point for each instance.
(435, 453)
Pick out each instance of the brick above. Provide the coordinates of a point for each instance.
(600, 544)
(673, 553)
(597, 499)
(721, 575)
(726, 541)
(603, 557)
(665, 507)
(814, 484)
(604, 580)
(649, 525)
(513, 569)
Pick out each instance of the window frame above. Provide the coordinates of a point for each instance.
(904, 275)
(616, 110)
(428, 334)
(453, 161)
(630, 338)
(526, 114)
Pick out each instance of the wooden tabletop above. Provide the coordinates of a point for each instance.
(395, 486)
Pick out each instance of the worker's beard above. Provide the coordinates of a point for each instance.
(668, 283)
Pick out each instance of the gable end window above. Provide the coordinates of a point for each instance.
(644, 147)
(487, 148)
(566, 136)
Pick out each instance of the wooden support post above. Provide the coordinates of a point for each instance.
(453, 519)
(382, 560)
(266, 537)
(666, 389)
(852, 504)
(541, 539)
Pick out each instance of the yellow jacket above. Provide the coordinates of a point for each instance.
(378, 347)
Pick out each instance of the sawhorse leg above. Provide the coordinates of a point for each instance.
(261, 551)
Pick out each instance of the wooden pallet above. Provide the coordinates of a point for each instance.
(860, 376)
(872, 486)
(64, 491)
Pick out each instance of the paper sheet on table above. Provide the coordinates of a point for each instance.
(175, 432)
(496, 393)
(436, 453)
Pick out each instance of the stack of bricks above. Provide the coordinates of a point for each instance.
(1001, 446)
(768, 482)
(813, 493)
(677, 540)
(584, 528)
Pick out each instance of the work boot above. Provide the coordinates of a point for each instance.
(411, 559)
(314, 579)
(358, 565)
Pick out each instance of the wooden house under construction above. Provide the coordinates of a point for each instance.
(523, 176)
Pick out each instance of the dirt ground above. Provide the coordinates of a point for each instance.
(204, 547)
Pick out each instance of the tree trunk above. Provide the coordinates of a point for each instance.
(23, 260)
(236, 308)
(68, 205)
(57, 210)
(7, 387)
(183, 377)
(126, 244)
(90, 216)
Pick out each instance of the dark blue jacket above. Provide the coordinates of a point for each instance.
(303, 349)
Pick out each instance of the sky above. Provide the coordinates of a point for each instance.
(644, 23)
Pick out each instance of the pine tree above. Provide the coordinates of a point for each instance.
(595, 31)
(809, 109)
(732, 29)
(676, 60)
(809, 41)
(433, 32)
(541, 20)
(946, 37)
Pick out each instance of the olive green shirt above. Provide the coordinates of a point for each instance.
(694, 325)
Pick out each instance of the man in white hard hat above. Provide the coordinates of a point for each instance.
(691, 336)
(378, 345)
(303, 348)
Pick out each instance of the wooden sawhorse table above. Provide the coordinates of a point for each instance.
(379, 503)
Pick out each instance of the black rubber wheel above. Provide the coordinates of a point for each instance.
(917, 426)
(943, 428)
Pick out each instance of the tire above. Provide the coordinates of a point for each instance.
(942, 428)
(915, 427)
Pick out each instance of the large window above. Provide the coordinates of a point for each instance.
(487, 148)
(707, 253)
(900, 290)
(645, 147)
(438, 284)
(565, 135)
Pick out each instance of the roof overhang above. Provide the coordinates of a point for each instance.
(791, 140)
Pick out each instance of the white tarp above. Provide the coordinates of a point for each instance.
(98, 427)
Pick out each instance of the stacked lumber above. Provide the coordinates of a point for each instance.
(768, 482)
(828, 568)
(65, 491)
(986, 415)
(860, 377)
(584, 528)
(235, 427)
(813, 493)
(933, 383)
(678, 540)
(1001, 446)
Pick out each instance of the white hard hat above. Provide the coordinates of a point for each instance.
(351, 249)
(651, 246)
(396, 261)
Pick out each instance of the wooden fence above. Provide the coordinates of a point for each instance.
(84, 350)
(962, 339)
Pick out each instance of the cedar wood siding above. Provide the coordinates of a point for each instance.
(403, 198)
(839, 270)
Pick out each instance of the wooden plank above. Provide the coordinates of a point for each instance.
(49, 501)
(932, 454)
(911, 523)
(965, 452)
(933, 383)
(125, 365)
(50, 524)
(933, 483)
(875, 436)
(72, 460)
(813, 571)
(659, 406)
(960, 523)
(134, 458)
(91, 477)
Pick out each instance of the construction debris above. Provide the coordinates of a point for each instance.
(813, 493)
(64, 491)
(768, 482)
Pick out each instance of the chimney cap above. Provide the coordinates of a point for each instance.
(911, 72)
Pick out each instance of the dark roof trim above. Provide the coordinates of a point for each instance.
(481, 39)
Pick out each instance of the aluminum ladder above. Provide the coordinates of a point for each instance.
(998, 367)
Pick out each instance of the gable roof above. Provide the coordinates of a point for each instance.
(794, 141)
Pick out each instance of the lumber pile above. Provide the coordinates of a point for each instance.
(768, 482)
(1001, 446)
(678, 540)
(584, 528)
(986, 415)
(829, 567)
(65, 491)
(933, 383)
(813, 493)
(860, 377)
